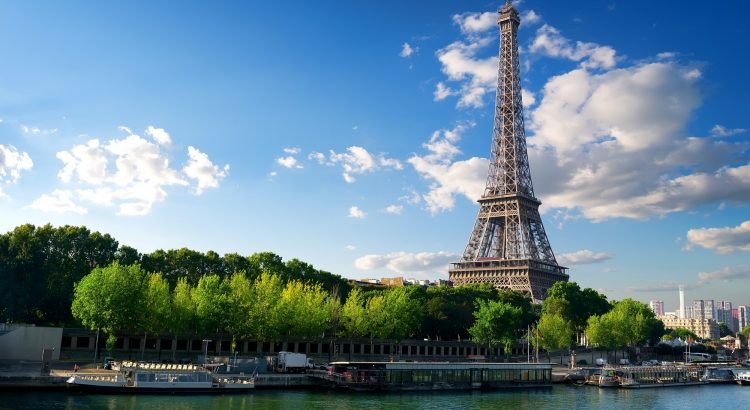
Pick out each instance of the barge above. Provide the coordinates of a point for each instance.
(634, 377)
(416, 376)
(135, 377)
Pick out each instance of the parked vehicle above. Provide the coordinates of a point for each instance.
(290, 362)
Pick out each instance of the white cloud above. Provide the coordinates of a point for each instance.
(727, 274)
(357, 160)
(394, 209)
(476, 75)
(159, 135)
(448, 177)
(530, 17)
(37, 131)
(550, 42)
(292, 150)
(355, 212)
(442, 92)
(662, 287)
(614, 145)
(476, 23)
(667, 55)
(407, 50)
(350, 247)
(319, 157)
(721, 240)
(403, 262)
(722, 131)
(129, 173)
(12, 163)
(59, 201)
(289, 162)
(527, 97)
(582, 257)
(203, 171)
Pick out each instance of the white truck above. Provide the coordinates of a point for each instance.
(290, 362)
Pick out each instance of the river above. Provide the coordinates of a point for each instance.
(558, 397)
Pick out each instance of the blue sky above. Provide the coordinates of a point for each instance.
(354, 135)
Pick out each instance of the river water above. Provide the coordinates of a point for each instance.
(558, 397)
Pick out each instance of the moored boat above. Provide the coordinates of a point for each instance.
(609, 378)
(134, 377)
(716, 375)
(743, 378)
(664, 376)
(413, 376)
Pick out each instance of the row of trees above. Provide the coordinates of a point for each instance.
(40, 265)
(569, 311)
(121, 299)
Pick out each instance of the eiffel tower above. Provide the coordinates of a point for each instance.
(508, 246)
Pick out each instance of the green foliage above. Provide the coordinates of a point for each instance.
(569, 301)
(184, 314)
(554, 331)
(746, 332)
(448, 311)
(111, 298)
(353, 316)
(724, 330)
(401, 313)
(629, 323)
(681, 333)
(495, 322)
(211, 298)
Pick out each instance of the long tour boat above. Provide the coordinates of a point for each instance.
(135, 377)
(412, 376)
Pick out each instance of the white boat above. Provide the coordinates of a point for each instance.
(742, 378)
(134, 377)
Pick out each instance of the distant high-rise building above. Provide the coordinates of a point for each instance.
(724, 314)
(658, 307)
(735, 321)
(704, 309)
(742, 320)
(681, 311)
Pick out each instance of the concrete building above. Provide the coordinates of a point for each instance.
(658, 307)
(742, 320)
(704, 328)
(704, 309)
(724, 314)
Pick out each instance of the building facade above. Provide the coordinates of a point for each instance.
(741, 317)
(724, 314)
(658, 307)
(704, 328)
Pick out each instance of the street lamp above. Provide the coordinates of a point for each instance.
(205, 357)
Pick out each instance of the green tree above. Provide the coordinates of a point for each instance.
(157, 312)
(495, 323)
(401, 313)
(264, 314)
(555, 332)
(448, 311)
(111, 299)
(568, 300)
(184, 316)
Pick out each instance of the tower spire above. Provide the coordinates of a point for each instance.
(508, 246)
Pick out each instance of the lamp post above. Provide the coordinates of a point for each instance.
(205, 357)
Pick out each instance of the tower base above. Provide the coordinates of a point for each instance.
(525, 275)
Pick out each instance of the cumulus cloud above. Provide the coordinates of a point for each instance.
(448, 177)
(403, 262)
(550, 42)
(394, 209)
(357, 213)
(407, 50)
(476, 23)
(582, 257)
(59, 201)
(722, 131)
(288, 162)
(727, 274)
(12, 163)
(722, 240)
(159, 135)
(292, 150)
(530, 17)
(356, 160)
(200, 168)
(476, 75)
(613, 145)
(129, 173)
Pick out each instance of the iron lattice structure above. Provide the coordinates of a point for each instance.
(508, 247)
